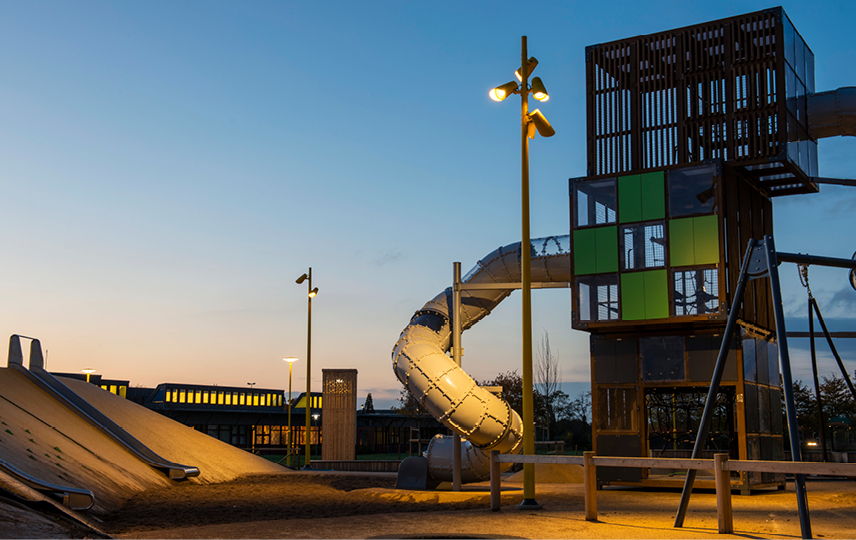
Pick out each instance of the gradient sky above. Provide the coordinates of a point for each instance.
(169, 168)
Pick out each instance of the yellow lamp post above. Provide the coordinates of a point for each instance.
(311, 294)
(291, 360)
(530, 122)
(88, 371)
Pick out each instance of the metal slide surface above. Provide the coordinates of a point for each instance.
(484, 421)
(85, 410)
(74, 498)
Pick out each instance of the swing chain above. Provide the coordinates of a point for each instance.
(803, 272)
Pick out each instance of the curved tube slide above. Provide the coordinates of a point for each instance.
(420, 362)
(67, 397)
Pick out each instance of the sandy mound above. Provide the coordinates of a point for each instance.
(48, 441)
(549, 473)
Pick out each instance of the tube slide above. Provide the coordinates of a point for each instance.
(67, 397)
(420, 362)
(832, 113)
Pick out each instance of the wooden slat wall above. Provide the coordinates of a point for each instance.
(687, 95)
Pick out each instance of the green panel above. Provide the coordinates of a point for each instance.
(632, 296)
(656, 294)
(681, 239)
(607, 249)
(653, 195)
(706, 239)
(585, 254)
(629, 199)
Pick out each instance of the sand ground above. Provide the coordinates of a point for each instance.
(333, 505)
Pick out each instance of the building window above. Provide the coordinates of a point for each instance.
(595, 202)
(228, 398)
(597, 298)
(663, 358)
(696, 292)
(643, 246)
(255, 400)
(198, 396)
(181, 396)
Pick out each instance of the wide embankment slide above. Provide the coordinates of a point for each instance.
(43, 438)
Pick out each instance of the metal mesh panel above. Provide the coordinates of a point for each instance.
(710, 91)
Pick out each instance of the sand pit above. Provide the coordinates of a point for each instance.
(549, 473)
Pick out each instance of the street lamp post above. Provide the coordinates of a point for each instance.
(530, 122)
(88, 371)
(291, 360)
(311, 294)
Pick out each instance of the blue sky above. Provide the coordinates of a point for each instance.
(169, 168)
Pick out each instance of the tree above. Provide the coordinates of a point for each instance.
(548, 376)
(368, 406)
(409, 405)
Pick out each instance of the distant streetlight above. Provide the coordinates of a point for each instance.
(251, 384)
(530, 123)
(291, 360)
(88, 371)
(315, 417)
(310, 294)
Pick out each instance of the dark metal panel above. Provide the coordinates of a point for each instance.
(619, 445)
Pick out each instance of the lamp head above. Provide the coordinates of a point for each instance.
(538, 90)
(313, 292)
(290, 359)
(530, 67)
(501, 92)
(301, 279)
(87, 370)
(541, 124)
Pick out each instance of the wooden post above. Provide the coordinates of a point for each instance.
(590, 485)
(723, 494)
(495, 493)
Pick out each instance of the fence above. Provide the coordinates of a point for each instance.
(720, 464)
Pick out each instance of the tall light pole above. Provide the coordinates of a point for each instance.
(291, 360)
(88, 371)
(530, 122)
(311, 294)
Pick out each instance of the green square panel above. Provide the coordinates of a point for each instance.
(607, 249)
(681, 240)
(632, 296)
(585, 251)
(706, 239)
(653, 195)
(629, 199)
(656, 294)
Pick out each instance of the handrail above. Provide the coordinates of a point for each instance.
(76, 404)
(720, 465)
(74, 498)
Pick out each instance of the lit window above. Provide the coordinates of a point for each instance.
(228, 398)
(181, 396)
(243, 399)
(220, 397)
(205, 396)
(255, 400)
(168, 396)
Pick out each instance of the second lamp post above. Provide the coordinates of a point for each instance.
(308, 405)
(530, 122)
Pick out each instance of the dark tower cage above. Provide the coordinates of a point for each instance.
(733, 89)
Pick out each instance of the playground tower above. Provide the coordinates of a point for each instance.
(691, 133)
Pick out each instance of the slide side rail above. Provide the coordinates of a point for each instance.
(74, 498)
